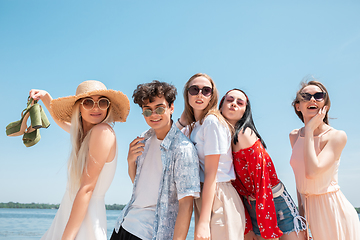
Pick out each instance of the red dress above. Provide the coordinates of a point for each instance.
(255, 176)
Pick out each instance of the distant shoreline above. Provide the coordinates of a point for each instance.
(50, 206)
(56, 206)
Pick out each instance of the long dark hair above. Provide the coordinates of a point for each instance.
(245, 122)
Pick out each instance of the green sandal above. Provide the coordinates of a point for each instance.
(18, 128)
(31, 137)
(35, 116)
(44, 120)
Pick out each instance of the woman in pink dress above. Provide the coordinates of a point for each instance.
(270, 211)
(315, 161)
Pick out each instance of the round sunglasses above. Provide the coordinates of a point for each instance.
(89, 103)
(319, 96)
(205, 91)
(148, 112)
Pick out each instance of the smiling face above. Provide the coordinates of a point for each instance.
(234, 106)
(199, 102)
(161, 123)
(93, 116)
(309, 108)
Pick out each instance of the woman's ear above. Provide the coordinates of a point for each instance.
(297, 107)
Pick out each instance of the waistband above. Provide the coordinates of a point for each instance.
(277, 190)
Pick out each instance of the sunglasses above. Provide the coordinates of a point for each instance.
(239, 101)
(194, 90)
(319, 96)
(148, 112)
(89, 103)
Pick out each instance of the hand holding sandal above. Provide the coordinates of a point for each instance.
(31, 133)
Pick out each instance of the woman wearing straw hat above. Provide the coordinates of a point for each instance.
(92, 163)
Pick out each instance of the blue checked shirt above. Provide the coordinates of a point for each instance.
(180, 177)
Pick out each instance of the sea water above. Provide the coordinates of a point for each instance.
(21, 224)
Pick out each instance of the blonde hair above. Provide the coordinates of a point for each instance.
(211, 108)
(80, 146)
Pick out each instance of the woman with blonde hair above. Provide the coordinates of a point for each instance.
(91, 167)
(315, 159)
(219, 212)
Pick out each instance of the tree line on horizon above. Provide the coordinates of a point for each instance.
(50, 206)
(56, 206)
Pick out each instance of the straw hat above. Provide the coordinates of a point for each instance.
(62, 107)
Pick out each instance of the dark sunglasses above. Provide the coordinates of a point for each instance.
(231, 99)
(319, 96)
(148, 112)
(194, 90)
(89, 103)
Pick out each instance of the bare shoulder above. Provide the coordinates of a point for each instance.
(246, 139)
(338, 136)
(103, 130)
(293, 135)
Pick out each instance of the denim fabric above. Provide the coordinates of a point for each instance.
(284, 215)
(180, 178)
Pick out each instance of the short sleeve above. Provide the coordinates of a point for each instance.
(186, 172)
(216, 139)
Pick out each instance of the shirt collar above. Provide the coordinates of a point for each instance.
(168, 138)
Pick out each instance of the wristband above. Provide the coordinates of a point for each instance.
(180, 123)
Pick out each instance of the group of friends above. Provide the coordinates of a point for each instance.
(211, 161)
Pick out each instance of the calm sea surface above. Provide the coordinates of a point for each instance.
(21, 224)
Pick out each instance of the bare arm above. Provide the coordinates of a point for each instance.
(183, 218)
(293, 136)
(102, 148)
(202, 230)
(317, 164)
(46, 98)
(136, 148)
(182, 122)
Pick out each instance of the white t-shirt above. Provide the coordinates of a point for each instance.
(213, 137)
(140, 219)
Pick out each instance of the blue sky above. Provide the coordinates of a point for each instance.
(265, 48)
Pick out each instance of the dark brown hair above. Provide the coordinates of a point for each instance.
(148, 91)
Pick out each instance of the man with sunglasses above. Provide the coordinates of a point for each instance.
(164, 168)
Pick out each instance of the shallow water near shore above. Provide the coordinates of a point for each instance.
(21, 224)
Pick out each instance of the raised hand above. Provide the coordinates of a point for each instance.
(316, 120)
(136, 148)
(37, 94)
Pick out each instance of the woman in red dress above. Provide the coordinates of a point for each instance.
(270, 211)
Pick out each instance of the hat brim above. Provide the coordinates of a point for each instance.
(62, 108)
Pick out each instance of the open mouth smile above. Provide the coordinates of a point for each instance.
(312, 107)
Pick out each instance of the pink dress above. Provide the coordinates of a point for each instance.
(329, 214)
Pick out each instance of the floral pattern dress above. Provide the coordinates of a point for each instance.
(255, 177)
